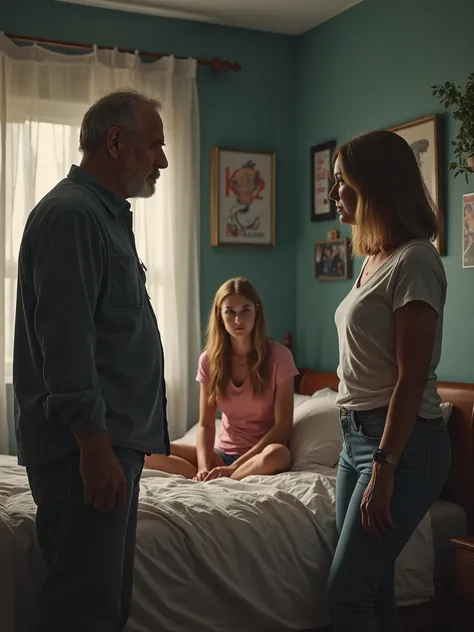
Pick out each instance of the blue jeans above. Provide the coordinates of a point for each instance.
(361, 587)
(89, 554)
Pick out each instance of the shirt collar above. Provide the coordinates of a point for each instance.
(113, 202)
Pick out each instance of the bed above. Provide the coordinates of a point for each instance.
(227, 556)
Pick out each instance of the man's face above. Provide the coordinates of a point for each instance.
(144, 155)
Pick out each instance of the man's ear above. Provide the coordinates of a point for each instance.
(114, 139)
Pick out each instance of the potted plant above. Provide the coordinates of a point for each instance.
(452, 95)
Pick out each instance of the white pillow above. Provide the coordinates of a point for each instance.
(299, 399)
(325, 392)
(316, 438)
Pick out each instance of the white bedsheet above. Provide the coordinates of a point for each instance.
(220, 556)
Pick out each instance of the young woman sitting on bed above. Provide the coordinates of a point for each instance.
(249, 377)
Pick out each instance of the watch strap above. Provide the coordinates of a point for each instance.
(381, 456)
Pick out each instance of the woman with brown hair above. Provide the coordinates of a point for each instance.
(396, 451)
(249, 377)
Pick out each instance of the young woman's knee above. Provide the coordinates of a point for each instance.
(278, 456)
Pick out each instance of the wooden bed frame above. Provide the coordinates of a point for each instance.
(459, 488)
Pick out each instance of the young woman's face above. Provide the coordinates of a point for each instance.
(344, 196)
(238, 315)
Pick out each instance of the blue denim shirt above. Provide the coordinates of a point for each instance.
(87, 351)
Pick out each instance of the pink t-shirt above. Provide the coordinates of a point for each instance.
(247, 418)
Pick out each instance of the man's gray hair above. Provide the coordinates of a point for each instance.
(117, 109)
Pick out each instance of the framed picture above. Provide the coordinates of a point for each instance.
(425, 138)
(468, 231)
(332, 260)
(322, 208)
(242, 197)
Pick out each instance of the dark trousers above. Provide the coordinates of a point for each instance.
(89, 554)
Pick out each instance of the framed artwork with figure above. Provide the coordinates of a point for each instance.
(242, 197)
(425, 138)
(468, 230)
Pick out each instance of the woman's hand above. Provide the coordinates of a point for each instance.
(201, 475)
(375, 505)
(223, 471)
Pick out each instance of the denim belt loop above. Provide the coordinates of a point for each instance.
(351, 414)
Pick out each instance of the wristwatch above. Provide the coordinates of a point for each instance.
(381, 456)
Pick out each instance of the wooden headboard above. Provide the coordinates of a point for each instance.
(459, 487)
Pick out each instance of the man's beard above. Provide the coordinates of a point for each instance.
(135, 184)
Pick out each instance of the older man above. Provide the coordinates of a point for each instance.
(88, 366)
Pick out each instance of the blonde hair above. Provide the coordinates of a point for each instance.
(218, 345)
(393, 203)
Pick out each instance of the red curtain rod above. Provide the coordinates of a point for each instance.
(216, 64)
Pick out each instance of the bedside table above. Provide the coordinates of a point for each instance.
(463, 568)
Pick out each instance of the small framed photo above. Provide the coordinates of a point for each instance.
(322, 208)
(468, 230)
(242, 197)
(425, 138)
(332, 260)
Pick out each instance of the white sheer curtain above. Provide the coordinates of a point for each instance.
(43, 96)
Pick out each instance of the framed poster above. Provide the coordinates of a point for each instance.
(425, 138)
(468, 230)
(332, 260)
(242, 197)
(322, 208)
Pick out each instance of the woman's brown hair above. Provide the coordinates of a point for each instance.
(393, 203)
(218, 345)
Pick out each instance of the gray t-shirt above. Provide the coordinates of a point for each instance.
(365, 323)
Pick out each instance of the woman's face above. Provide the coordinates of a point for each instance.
(344, 196)
(238, 315)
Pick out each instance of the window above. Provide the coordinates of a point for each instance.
(39, 155)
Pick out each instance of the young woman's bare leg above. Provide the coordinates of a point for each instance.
(182, 461)
(273, 459)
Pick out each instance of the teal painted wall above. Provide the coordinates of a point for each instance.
(372, 67)
(252, 109)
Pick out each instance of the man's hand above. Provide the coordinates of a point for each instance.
(105, 487)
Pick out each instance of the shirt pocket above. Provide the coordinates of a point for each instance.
(127, 287)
